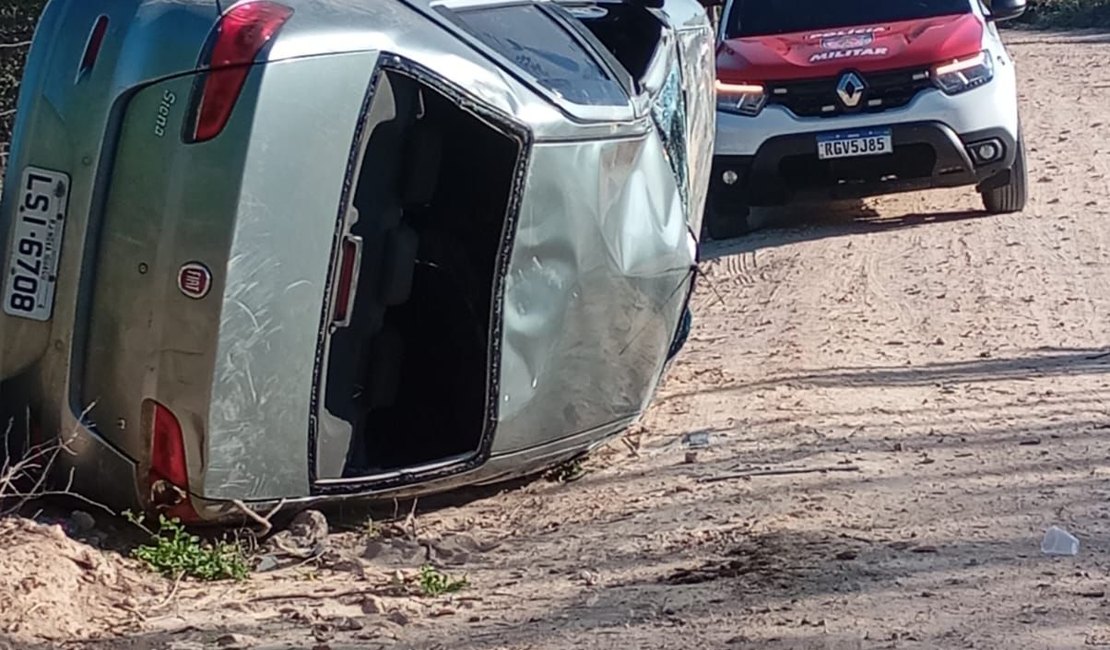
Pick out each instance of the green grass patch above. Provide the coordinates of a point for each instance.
(174, 553)
(434, 583)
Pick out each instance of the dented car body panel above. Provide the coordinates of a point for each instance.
(412, 255)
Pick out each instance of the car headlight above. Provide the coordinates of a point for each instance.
(964, 74)
(745, 99)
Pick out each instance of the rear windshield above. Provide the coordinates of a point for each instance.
(766, 17)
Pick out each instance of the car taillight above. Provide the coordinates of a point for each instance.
(167, 449)
(240, 35)
(92, 48)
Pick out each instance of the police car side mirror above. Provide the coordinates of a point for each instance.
(1006, 9)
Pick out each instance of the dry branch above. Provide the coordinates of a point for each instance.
(31, 466)
(323, 595)
(778, 472)
(261, 520)
(35, 466)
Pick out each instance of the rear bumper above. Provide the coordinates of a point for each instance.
(786, 169)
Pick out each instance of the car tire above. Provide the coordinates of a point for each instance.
(1012, 196)
(721, 226)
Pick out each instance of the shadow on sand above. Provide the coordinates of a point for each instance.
(795, 224)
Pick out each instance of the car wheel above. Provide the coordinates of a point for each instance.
(1010, 197)
(720, 225)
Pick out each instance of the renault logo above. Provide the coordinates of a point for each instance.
(850, 89)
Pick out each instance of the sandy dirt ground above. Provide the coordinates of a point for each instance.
(947, 370)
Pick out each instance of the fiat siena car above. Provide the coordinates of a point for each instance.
(261, 253)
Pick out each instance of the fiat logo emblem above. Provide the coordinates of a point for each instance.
(195, 280)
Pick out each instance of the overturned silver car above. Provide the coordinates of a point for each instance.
(279, 252)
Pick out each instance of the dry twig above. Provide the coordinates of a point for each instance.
(36, 464)
(410, 520)
(703, 277)
(261, 520)
(173, 592)
(322, 595)
(778, 472)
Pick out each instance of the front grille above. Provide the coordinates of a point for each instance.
(818, 97)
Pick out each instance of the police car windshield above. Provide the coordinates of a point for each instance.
(767, 17)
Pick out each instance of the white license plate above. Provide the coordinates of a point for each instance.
(849, 144)
(32, 270)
